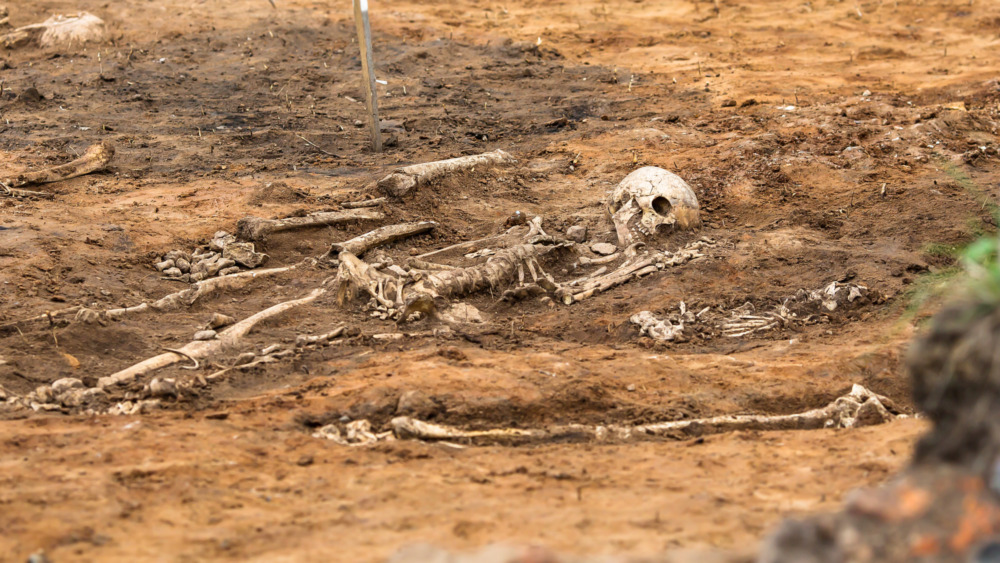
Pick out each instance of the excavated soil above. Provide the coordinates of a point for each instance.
(826, 141)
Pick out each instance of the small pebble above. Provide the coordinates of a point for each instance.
(173, 272)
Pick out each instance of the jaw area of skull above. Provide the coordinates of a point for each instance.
(651, 200)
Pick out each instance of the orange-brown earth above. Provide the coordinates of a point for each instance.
(825, 140)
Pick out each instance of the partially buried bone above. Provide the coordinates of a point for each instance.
(649, 200)
(380, 237)
(95, 158)
(57, 31)
(409, 178)
(859, 407)
(256, 229)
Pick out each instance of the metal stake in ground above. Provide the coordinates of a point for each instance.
(368, 69)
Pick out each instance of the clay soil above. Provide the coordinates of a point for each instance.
(827, 141)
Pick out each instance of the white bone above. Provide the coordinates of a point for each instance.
(651, 198)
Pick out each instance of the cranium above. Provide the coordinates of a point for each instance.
(650, 199)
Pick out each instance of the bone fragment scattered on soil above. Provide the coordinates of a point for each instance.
(409, 178)
(649, 199)
(96, 158)
(256, 229)
(656, 329)
(219, 320)
(380, 237)
(244, 254)
(576, 233)
(57, 31)
(587, 261)
(227, 340)
(860, 407)
(364, 203)
(603, 248)
(204, 335)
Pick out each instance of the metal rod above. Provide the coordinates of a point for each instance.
(368, 69)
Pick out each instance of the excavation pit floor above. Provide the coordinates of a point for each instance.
(825, 142)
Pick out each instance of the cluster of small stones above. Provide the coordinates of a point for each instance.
(223, 256)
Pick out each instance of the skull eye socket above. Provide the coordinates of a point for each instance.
(661, 205)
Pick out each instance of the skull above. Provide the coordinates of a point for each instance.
(650, 199)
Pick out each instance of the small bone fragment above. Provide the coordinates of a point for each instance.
(96, 158)
(89, 316)
(118, 314)
(176, 255)
(603, 248)
(198, 350)
(164, 266)
(60, 386)
(405, 180)
(585, 261)
(205, 335)
(381, 236)
(461, 313)
(255, 229)
(219, 265)
(57, 31)
(220, 240)
(305, 339)
(365, 203)
(576, 233)
(219, 320)
(243, 253)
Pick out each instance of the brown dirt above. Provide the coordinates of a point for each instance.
(208, 105)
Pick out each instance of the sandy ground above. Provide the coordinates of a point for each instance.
(826, 141)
